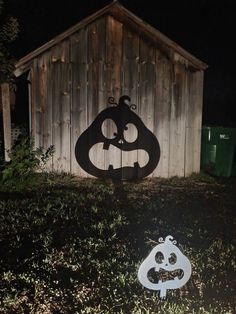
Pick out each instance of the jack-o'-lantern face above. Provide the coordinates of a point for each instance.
(118, 131)
(166, 257)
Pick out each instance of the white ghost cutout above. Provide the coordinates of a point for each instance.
(167, 249)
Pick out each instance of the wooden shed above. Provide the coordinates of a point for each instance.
(109, 54)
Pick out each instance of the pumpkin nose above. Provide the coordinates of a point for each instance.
(120, 141)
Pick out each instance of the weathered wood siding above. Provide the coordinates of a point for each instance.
(72, 81)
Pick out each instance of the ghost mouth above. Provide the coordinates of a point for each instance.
(110, 157)
(161, 275)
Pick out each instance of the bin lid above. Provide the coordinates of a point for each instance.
(217, 134)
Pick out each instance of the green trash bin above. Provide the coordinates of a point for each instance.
(218, 151)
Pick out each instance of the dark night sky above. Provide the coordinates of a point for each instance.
(205, 28)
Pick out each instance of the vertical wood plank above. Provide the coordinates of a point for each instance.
(79, 47)
(114, 40)
(198, 121)
(177, 123)
(147, 87)
(130, 68)
(96, 77)
(48, 113)
(65, 106)
(56, 107)
(189, 127)
(61, 107)
(93, 73)
(36, 104)
(130, 83)
(45, 100)
(32, 116)
(162, 112)
(194, 123)
(6, 114)
(147, 83)
(114, 44)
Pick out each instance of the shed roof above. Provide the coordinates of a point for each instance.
(125, 16)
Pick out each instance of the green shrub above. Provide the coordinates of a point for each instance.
(20, 172)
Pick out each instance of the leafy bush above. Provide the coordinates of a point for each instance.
(77, 249)
(19, 173)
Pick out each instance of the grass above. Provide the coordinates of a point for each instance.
(74, 246)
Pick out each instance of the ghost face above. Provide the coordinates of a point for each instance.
(119, 129)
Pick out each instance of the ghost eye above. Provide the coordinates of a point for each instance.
(109, 129)
(172, 258)
(130, 133)
(159, 257)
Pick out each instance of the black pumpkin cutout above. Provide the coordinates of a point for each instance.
(145, 140)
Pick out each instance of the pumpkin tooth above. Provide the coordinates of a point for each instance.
(106, 145)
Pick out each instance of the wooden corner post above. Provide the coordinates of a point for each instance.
(6, 114)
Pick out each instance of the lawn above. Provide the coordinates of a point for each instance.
(75, 246)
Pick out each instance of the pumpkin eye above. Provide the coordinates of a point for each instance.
(172, 259)
(159, 258)
(109, 129)
(130, 133)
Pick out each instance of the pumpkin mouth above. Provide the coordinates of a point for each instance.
(161, 275)
(116, 158)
